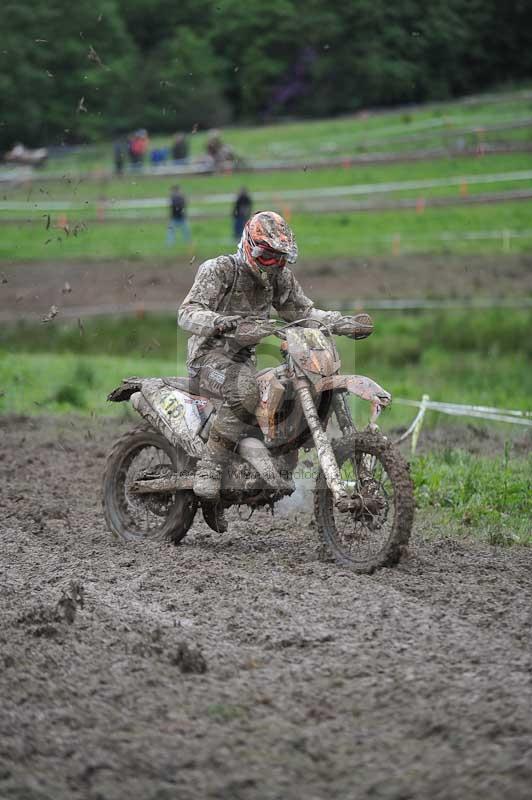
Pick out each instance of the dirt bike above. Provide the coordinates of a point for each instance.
(363, 495)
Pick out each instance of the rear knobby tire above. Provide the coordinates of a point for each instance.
(177, 514)
(400, 513)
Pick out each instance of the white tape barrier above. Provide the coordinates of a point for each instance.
(459, 410)
(483, 412)
(290, 194)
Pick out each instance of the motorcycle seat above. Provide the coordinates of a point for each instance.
(190, 386)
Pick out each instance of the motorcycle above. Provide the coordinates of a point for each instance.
(363, 494)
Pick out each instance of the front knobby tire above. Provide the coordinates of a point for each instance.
(136, 518)
(373, 469)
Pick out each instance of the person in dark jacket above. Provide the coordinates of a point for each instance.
(178, 217)
(241, 212)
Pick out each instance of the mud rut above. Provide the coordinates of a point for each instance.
(413, 683)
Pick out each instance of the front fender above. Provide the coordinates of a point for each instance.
(363, 387)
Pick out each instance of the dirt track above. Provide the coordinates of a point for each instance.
(27, 289)
(413, 683)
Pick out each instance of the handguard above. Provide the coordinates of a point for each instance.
(358, 326)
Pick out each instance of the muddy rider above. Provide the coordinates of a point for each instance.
(227, 311)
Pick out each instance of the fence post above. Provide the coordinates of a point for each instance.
(506, 240)
(417, 430)
(396, 244)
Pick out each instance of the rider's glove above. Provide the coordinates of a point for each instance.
(226, 324)
(250, 331)
(356, 327)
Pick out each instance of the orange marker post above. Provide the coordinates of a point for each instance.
(287, 213)
(396, 244)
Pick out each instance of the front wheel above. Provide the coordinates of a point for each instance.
(144, 453)
(376, 533)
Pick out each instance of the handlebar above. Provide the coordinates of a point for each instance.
(282, 325)
(279, 331)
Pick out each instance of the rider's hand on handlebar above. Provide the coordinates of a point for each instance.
(356, 327)
(226, 324)
(250, 331)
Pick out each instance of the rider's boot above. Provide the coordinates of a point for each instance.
(208, 476)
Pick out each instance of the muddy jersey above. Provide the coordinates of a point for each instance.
(225, 286)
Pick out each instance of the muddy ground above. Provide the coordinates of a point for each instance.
(240, 666)
(32, 288)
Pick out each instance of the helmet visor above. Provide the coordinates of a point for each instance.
(269, 258)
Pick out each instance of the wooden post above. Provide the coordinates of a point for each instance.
(396, 244)
(506, 234)
(419, 423)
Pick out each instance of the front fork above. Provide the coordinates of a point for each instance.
(343, 413)
(344, 417)
(323, 446)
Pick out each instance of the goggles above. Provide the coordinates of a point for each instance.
(268, 258)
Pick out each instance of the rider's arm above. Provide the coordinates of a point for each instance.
(197, 312)
(291, 302)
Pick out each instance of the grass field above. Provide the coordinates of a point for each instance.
(440, 353)
(467, 229)
(32, 235)
(492, 496)
(78, 191)
(439, 124)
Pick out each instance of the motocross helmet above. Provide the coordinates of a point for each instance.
(268, 242)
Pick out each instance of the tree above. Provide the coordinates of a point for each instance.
(183, 84)
(115, 65)
(63, 75)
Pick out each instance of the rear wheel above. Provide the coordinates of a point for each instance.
(144, 453)
(377, 532)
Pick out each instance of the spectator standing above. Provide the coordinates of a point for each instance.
(178, 218)
(180, 149)
(118, 153)
(241, 212)
(138, 147)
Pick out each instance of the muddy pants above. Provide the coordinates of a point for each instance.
(235, 382)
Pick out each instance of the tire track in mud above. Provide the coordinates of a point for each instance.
(414, 682)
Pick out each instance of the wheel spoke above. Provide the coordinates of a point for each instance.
(364, 532)
(146, 513)
(138, 456)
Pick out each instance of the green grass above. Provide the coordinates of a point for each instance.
(487, 497)
(131, 186)
(477, 357)
(491, 496)
(46, 383)
(346, 135)
(401, 338)
(322, 236)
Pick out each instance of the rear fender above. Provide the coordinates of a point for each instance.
(179, 416)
